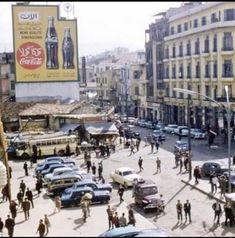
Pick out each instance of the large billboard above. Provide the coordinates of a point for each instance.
(45, 46)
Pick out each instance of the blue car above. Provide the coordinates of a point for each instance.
(52, 168)
(74, 197)
(91, 184)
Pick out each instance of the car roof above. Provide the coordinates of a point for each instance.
(82, 189)
(154, 232)
(116, 232)
(146, 183)
(85, 181)
(65, 176)
(65, 168)
(122, 169)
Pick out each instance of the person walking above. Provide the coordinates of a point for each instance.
(67, 150)
(1, 226)
(10, 224)
(26, 208)
(22, 186)
(93, 169)
(197, 174)
(222, 183)
(157, 145)
(29, 195)
(181, 163)
(57, 204)
(158, 162)
(214, 182)
(187, 211)
(84, 206)
(121, 192)
(140, 163)
(88, 165)
(179, 211)
(25, 166)
(20, 197)
(132, 148)
(13, 209)
(100, 170)
(131, 217)
(41, 228)
(47, 223)
(217, 211)
(152, 145)
(122, 220)
(116, 220)
(38, 185)
(110, 217)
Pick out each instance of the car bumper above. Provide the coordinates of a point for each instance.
(150, 206)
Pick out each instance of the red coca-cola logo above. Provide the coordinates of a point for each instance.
(30, 55)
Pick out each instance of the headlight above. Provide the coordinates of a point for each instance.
(145, 201)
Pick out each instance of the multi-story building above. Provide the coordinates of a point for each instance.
(199, 56)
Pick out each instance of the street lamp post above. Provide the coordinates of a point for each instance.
(228, 116)
(189, 138)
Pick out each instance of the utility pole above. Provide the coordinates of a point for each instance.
(189, 139)
(126, 94)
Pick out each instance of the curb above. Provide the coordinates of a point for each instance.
(202, 191)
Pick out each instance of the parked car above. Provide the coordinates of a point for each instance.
(170, 128)
(197, 133)
(44, 166)
(74, 197)
(125, 176)
(91, 184)
(146, 195)
(211, 166)
(159, 126)
(158, 135)
(132, 120)
(178, 130)
(52, 168)
(132, 231)
(181, 145)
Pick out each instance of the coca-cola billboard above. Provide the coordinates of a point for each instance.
(30, 55)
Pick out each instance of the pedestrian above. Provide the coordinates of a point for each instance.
(158, 161)
(179, 208)
(162, 204)
(121, 192)
(39, 153)
(110, 217)
(138, 144)
(187, 211)
(132, 148)
(38, 185)
(10, 224)
(20, 197)
(13, 209)
(93, 169)
(135, 182)
(140, 163)
(86, 198)
(77, 151)
(47, 223)
(55, 151)
(157, 145)
(131, 217)
(22, 186)
(5, 194)
(41, 228)
(222, 182)
(186, 161)
(25, 166)
(88, 165)
(116, 220)
(122, 220)
(1, 226)
(197, 174)
(177, 156)
(29, 195)
(57, 204)
(67, 150)
(217, 211)
(214, 182)
(100, 170)
(26, 208)
(152, 145)
(181, 163)
(84, 206)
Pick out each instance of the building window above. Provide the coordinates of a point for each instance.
(189, 70)
(167, 92)
(207, 90)
(179, 28)
(203, 21)
(215, 43)
(186, 26)
(228, 41)
(215, 92)
(206, 45)
(172, 30)
(174, 92)
(198, 70)
(173, 51)
(166, 52)
(197, 47)
(207, 69)
(215, 69)
(181, 71)
(195, 23)
(188, 48)
(227, 69)
(199, 89)
(167, 72)
(181, 49)
(174, 72)
(12, 85)
(214, 18)
(229, 14)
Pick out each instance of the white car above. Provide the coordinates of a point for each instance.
(125, 176)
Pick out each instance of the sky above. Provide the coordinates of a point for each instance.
(102, 26)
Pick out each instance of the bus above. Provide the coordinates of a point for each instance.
(48, 144)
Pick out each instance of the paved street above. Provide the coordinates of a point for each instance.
(69, 223)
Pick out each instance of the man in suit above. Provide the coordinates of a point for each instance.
(187, 210)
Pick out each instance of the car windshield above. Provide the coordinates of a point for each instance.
(125, 173)
(149, 190)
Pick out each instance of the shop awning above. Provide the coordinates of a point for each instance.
(104, 128)
(67, 127)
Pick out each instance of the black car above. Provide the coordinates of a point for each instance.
(210, 166)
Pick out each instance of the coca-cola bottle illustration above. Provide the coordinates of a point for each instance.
(67, 50)
(51, 45)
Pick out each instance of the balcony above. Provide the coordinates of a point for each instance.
(227, 78)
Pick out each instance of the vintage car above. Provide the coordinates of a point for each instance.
(146, 195)
(211, 166)
(197, 133)
(74, 197)
(170, 128)
(91, 184)
(158, 135)
(125, 176)
(181, 146)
